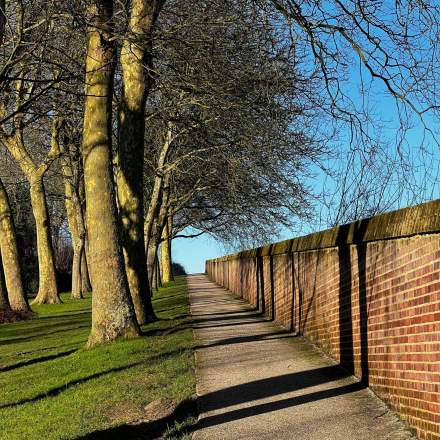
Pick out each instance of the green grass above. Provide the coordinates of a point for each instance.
(52, 388)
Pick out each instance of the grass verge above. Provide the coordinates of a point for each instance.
(54, 389)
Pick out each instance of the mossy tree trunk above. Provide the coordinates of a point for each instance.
(165, 252)
(4, 303)
(155, 197)
(157, 275)
(77, 292)
(80, 276)
(47, 289)
(170, 226)
(136, 64)
(113, 314)
(75, 217)
(151, 256)
(156, 232)
(10, 256)
(81, 213)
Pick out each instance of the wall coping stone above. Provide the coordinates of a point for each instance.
(406, 222)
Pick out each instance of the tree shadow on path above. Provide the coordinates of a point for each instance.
(263, 408)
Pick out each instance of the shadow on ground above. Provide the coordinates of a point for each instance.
(150, 430)
(186, 413)
(263, 408)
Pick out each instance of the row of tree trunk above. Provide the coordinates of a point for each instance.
(115, 247)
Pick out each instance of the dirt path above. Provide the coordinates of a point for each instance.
(255, 381)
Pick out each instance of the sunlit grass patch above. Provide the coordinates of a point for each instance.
(53, 388)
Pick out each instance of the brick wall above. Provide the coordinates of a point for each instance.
(368, 294)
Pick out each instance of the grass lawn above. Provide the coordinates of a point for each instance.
(51, 388)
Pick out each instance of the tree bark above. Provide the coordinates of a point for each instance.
(4, 303)
(47, 289)
(113, 313)
(77, 292)
(165, 252)
(10, 256)
(170, 226)
(157, 278)
(85, 272)
(86, 285)
(154, 204)
(75, 218)
(73, 225)
(156, 232)
(2, 21)
(136, 64)
(151, 256)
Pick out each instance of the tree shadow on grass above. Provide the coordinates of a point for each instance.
(227, 397)
(37, 360)
(40, 335)
(174, 318)
(58, 390)
(150, 430)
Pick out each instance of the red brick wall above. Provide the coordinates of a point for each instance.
(373, 306)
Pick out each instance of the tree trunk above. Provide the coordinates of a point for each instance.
(80, 271)
(170, 226)
(78, 251)
(157, 228)
(158, 274)
(75, 218)
(85, 271)
(10, 256)
(73, 227)
(151, 259)
(86, 285)
(136, 64)
(4, 303)
(165, 253)
(113, 314)
(47, 290)
(154, 204)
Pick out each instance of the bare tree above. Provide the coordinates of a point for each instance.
(227, 123)
(10, 256)
(382, 49)
(136, 65)
(113, 314)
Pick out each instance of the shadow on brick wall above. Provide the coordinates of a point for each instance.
(346, 356)
(345, 299)
(363, 306)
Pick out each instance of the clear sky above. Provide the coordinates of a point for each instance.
(191, 253)
(425, 164)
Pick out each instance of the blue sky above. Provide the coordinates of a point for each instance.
(192, 253)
